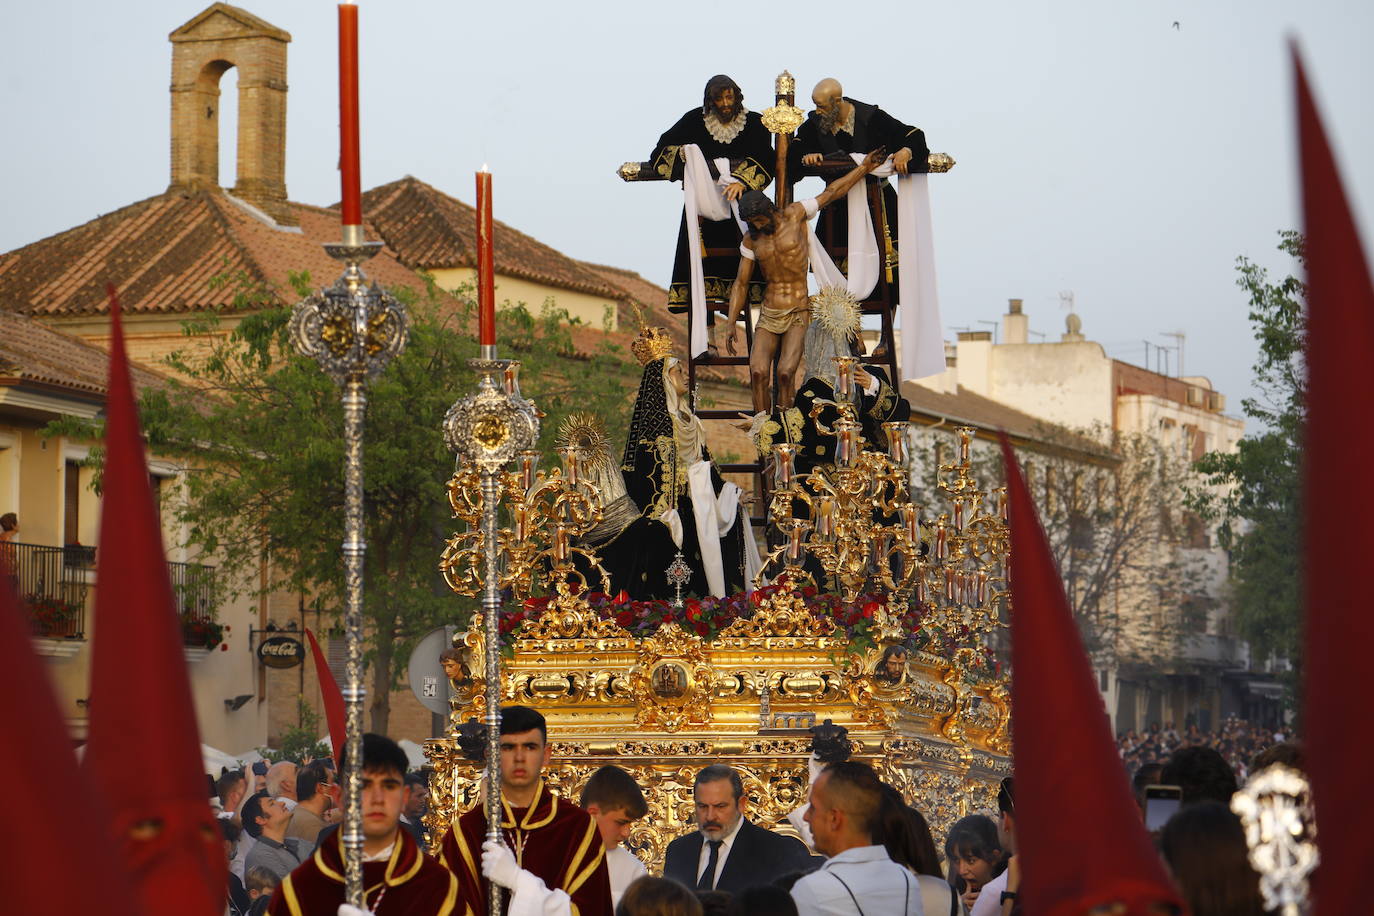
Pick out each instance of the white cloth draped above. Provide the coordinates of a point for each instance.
(704, 196)
(918, 303)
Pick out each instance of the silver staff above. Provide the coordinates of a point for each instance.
(352, 330)
(488, 429)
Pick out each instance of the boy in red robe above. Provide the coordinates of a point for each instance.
(552, 858)
(398, 878)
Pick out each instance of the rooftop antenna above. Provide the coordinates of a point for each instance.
(1180, 337)
(1066, 299)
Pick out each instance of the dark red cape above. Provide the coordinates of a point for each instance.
(558, 841)
(409, 883)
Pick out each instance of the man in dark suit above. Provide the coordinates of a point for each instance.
(727, 852)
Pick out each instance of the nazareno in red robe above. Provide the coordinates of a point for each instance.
(409, 883)
(553, 838)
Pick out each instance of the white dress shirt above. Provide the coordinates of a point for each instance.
(863, 881)
(727, 840)
(625, 869)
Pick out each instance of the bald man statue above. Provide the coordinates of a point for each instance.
(840, 126)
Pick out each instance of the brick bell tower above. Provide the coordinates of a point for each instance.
(203, 49)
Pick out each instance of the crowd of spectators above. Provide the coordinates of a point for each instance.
(1238, 742)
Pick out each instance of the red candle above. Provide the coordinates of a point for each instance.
(348, 114)
(486, 270)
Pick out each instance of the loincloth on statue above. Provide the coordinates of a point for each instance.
(780, 321)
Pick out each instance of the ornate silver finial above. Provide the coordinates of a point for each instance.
(1275, 809)
(679, 574)
(489, 428)
(352, 330)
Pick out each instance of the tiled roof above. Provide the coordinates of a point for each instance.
(162, 254)
(650, 301)
(969, 409)
(31, 353)
(429, 230)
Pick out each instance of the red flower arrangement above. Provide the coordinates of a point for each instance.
(709, 615)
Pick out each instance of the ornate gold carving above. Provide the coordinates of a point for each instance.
(629, 171)
(782, 118)
(672, 682)
(651, 344)
(939, 162)
(785, 85)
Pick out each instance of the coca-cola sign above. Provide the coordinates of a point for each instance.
(281, 652)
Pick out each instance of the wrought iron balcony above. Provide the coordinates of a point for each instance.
(52, 581)
(194, 589)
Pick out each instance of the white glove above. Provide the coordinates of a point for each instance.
(814, 767)
(499, 865)
(347, 909)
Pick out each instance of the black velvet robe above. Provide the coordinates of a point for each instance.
(656, 481)
(873, 128)
(751, 157)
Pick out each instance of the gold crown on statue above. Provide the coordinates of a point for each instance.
(651, 344)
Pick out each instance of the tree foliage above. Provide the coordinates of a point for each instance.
(1252, 495)
(1111, 506)
(259, 430)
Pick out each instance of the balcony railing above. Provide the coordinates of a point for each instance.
(193, 587)
(52, 581)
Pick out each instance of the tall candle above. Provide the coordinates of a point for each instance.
(486, 265)
(349, 157)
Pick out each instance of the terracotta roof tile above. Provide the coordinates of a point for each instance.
(430, 230)
(163, 252)
(33, 353)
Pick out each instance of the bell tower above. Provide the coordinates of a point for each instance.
(203, 50)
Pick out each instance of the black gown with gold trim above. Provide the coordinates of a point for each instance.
(751, 156)
(656, 479)
(873, 128)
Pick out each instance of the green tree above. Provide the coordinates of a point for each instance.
(1252, 494)
(259, 430)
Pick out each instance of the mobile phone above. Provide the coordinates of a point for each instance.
(1161, 802)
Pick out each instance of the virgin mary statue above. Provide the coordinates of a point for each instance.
(669, 474)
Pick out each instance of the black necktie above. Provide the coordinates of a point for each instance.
(707, 881)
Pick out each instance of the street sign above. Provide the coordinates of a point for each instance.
(281, 652)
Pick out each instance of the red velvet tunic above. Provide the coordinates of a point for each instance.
(409, 883)
(553, 838)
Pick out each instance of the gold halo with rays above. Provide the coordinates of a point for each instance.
(837, 310)
(587, 433)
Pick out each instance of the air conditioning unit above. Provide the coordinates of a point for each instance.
(1196, 396)
(1216, 401)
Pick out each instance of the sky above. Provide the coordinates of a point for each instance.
(1125, 153)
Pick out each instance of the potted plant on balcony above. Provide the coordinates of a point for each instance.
(53, 617)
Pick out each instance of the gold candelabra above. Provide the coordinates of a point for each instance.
(860, 525)
(857, 522)
(963, 575)
(548, 514)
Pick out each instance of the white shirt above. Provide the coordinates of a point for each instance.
(862, 881)
(989, 902)
(625, 869)
(704, 859)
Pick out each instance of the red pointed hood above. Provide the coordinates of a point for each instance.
(143, 753)
(55, 819)
(1078, 831)
(1339, 504)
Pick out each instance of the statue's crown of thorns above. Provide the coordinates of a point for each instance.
(651, 344)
